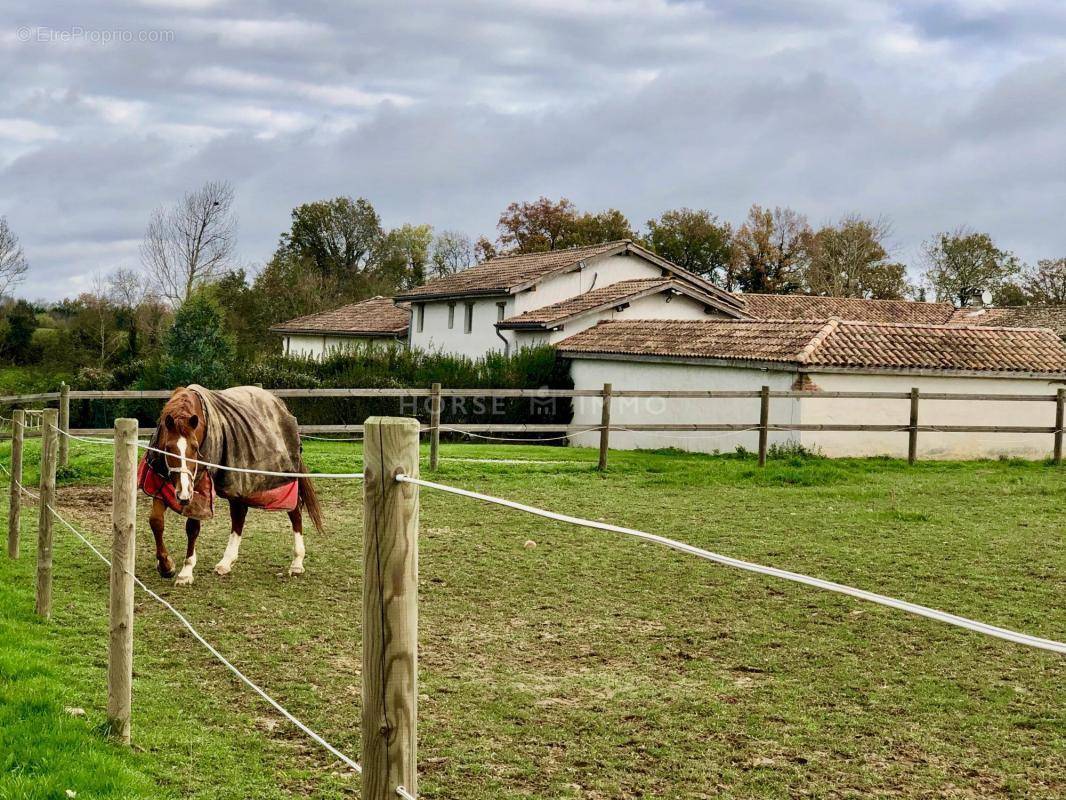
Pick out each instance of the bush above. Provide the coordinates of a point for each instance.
(373, 368)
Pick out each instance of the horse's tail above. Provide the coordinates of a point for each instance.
(309, 500)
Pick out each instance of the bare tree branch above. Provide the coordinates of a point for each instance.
(191, 243)
(13, 263)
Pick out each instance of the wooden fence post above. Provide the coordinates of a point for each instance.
(123, 567)
(49, 442)
(912, 435)
(1060, 403)
(390, 608)
(64, 423)
(764, 423)
(434, 421)
(14, 508)
(605, 426)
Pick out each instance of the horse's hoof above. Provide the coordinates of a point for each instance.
(167, 572)
(222, 569)
(183, 580)
(296, 569)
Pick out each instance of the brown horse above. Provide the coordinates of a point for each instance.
(244, 427)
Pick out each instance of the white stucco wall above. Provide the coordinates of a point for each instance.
(592, 374)
(318, 346)
(654, 306)
(437, 336)
(933, 445)
(597, 275)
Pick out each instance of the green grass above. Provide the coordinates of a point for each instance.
(597, 666)
(46, 747)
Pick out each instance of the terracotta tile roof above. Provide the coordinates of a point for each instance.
(775, 340)
(604, 297)
(1053, 317)
(499, 275)
(830, 343)
(510, 273)
(378, 316)
(800, 306)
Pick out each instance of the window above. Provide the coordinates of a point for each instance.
(451, 315)
(421, 316)
(501, 311)
(469, 324)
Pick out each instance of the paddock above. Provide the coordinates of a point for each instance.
(591, 665)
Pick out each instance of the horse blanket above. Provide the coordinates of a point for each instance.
(248, 428)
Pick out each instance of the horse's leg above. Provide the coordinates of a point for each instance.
(238, 511)
(192, 530)
(297, 566)
(156, 520)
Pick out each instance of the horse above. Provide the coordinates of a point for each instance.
(243, 427)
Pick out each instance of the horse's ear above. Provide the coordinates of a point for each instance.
(169, 422)
(193, 422)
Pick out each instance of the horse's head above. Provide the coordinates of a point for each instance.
(181, 433)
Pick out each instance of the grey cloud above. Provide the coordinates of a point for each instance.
(445, 112)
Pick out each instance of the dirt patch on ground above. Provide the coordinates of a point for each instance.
(90, 499)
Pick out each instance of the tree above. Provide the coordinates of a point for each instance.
(693, 239)
(246, 313)
(1046, 282)
(484, 250)
(190, 244)
(607, 226)
(850, 260)
(541, 225)
(404, 256)
(770, 252)
(127, 290)
(452, 252)
(17, 325)
(537, 226)
(95, 325)
(959, 265)
(340, 236)
(198, 349)
(13, 263)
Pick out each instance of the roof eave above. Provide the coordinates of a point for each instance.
(419, 298)
(668, 285)
(347, 332)
(786, 365)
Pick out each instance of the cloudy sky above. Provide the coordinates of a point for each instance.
(934, 114)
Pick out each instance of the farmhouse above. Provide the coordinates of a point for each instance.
(831, 355)
(376, 321)
(515, 300)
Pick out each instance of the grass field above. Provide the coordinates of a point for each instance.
(589, 666)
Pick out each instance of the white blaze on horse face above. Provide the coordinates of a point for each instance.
(184, 480)
(233, 548)
(297, 566)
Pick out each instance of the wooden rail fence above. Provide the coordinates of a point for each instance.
(435, 394)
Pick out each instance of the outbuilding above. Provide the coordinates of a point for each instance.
(823, 356)
(377, 321)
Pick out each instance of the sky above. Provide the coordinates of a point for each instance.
(930, 114)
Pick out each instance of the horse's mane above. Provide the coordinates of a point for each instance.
(181, 406)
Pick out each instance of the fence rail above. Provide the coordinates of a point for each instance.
(691, 394)
(607, 395)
